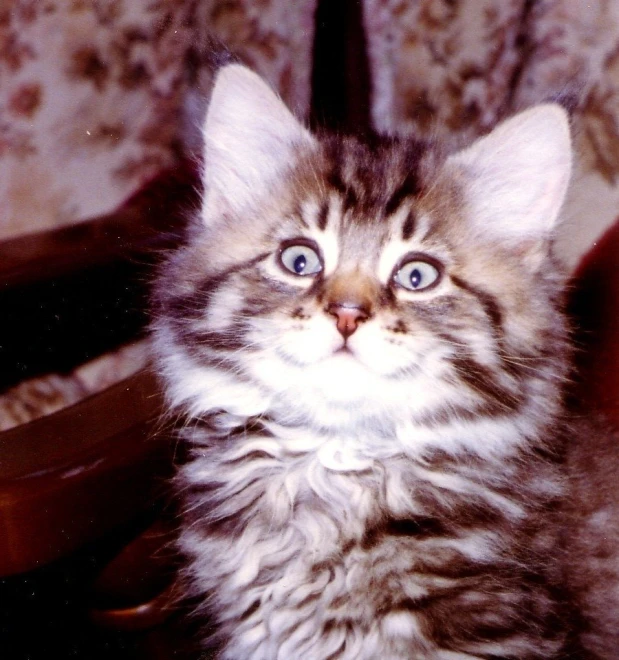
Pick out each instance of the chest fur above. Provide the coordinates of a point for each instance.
(297, 551)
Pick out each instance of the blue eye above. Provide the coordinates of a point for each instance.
(300, 259)
(416, 275)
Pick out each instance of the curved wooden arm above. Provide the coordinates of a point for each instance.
(70, 477)
(66, 296)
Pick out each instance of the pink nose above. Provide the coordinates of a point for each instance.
(348, 317)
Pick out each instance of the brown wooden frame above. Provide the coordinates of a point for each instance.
(74, 475)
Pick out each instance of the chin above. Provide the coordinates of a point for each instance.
(340, 392)
(342, 377)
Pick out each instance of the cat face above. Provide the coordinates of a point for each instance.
(343, 284)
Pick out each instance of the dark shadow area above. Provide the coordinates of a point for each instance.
(340, 76)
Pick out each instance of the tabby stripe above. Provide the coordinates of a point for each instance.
(408, 188)
(388, 297)
(346, 190)
(209, 356)
(408, 228)
(323, 215)
(232, 339)
(482, 381)
(350, 200)
(180, 307)
(446, 416)
(421, 527)
(488, 302)
(199, 299)
(334, 179)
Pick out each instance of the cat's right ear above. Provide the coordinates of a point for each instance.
(250, 139)
(515, 178)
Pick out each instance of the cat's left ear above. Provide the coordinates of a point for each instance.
(250, 139)
(514, 180)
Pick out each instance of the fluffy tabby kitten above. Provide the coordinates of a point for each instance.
(366, 341)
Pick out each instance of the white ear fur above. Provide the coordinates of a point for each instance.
(515, 179)
(250, 138)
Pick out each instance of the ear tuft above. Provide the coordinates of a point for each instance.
(250, 139)
(515, 178)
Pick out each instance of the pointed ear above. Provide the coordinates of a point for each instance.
(515, 179)
(250, 138)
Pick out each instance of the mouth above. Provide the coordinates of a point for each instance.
(344, 350)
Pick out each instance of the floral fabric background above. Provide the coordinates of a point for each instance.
(95, 95)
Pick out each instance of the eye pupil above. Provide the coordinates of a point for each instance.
(300, 259)
(299, 264)
(417, 274)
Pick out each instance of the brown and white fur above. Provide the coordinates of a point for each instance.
(375, 447)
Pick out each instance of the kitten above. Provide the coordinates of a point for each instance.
(367, 344)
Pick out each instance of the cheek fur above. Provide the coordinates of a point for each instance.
(395, 355)
(385, 346)
(224, 309)
(308, 340)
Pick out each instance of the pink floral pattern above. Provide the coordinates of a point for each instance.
(93, 93)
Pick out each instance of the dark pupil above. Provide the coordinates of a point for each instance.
(415, 278)
(299, 263)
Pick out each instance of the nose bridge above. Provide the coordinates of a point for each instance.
(352, 288)
(352, 293)
(350, 298)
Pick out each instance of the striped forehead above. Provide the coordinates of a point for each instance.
(361, 201)
(322, 219)
(348, 238)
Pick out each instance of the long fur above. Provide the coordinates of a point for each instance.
(400, 498)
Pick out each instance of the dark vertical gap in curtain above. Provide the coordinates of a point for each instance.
(340, 76)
